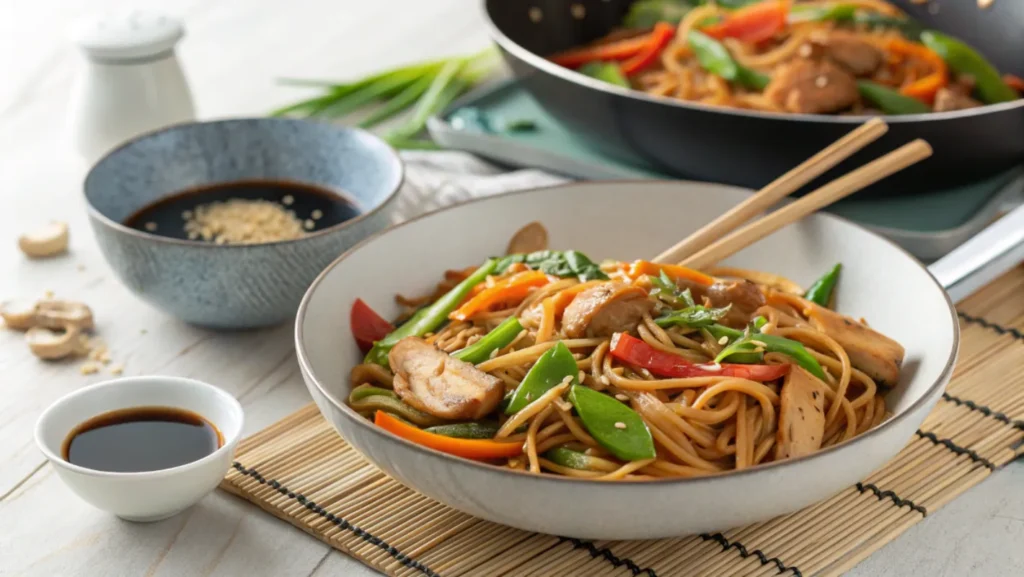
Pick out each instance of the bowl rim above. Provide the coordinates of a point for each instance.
(162, 381)
(542, 64)
(300, 352)
(390, 152)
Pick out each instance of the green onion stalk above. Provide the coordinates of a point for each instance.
(418, 90)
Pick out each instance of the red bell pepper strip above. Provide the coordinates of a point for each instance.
(468, 448)
(634, 351)
(367, 325)
(1014, 82)
(753, 24)
(657, 41)
(620, 50)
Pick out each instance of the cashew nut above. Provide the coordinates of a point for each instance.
(47, 241)
(47, 344)
(19, 315)
(530, 238)
(58, 314)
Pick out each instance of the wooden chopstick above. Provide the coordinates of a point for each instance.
(781, 187)
(840, 188)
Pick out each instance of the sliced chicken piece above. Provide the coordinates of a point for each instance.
(870, 351)
(744, 296)
(947, 99)
(607, 308)
(858, 57)
(801, 415)
(435, 383)
(812, 87)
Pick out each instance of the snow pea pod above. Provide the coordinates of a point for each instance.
(715, 58)
(568, 458)
(964, 60)
(471, 430)
(551, 368)
(499, 338)
(615, 426)
(431, 317)
(890, 101)
(822, 289)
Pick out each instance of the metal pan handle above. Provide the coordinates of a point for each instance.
(988, 254)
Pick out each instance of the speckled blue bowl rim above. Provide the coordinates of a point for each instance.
(197, 243)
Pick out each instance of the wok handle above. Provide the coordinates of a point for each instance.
(988, 254)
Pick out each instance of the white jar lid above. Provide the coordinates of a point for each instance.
(128, 35)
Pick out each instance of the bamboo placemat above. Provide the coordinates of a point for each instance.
(301, 471)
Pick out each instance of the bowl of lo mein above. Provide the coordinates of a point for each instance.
(518, 359)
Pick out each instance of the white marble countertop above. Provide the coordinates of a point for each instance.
(232, 52)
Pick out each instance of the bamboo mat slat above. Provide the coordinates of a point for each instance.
(301, 471)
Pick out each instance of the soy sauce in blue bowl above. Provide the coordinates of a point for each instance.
(291, 209)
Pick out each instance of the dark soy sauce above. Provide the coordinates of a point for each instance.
(141, 439)
(323, 207)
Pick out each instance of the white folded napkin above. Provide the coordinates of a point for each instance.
(435, 180)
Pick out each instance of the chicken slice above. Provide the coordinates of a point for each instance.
(744, 296)
(801, 415)
(812, 87)
(870, 351)
(611, 307)
(851, 52)
(428, 379)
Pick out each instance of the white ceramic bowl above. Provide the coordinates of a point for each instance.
(151, 495)
(627, 220)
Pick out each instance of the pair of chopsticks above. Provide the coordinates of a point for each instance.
(721, 238)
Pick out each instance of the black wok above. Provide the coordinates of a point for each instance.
(750, 148)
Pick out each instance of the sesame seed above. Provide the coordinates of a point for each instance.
(604, 381)
(578, 11)
(723, 340)
(758, 343)
(316, 214)
(622, 397)
(536, 14)
(288, 200)
(493, 354)
(620, 425)
(821, 81)
(528, 395)
(646, 373)
(566, 380)
(89, 369)
(713, 367)
(805, 50)
(242, 221)
(309, 224)
(151, 226)
(117, 369)
(581, 376)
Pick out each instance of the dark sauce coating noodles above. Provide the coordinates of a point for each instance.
(727, 416)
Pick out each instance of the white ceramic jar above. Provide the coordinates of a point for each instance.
(131, 81)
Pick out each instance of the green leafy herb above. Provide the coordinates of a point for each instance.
(694, 317)
(667, 291)
(755, 342)
(565, 264)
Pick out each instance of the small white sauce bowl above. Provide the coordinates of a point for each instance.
(151, 495)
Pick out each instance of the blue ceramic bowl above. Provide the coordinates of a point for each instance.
(235, 286)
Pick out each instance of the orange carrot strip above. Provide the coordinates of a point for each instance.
(508, 290)
(642, 267)
(468, 448)
(926, 87)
